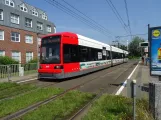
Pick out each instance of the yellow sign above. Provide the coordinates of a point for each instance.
(156, 33)
(159, 54)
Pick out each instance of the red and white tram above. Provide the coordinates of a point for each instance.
(67, 54)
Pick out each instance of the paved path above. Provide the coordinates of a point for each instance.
(142, 76)
(108, 80)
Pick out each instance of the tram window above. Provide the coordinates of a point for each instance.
(74, 53)
(90, 54)
(70, 53)
(94, 56)
(67, 55)
(115, 55)
(108, 55)
(118, 55)
(123, 55)
(83, 53)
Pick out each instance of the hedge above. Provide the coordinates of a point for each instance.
(5, 60)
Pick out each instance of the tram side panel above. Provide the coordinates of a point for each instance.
(74, 58)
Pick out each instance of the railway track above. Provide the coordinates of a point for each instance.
(79, 113)
(44, 86)
(35, 106)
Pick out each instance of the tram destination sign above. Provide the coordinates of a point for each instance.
(155, 51)
(50, 39)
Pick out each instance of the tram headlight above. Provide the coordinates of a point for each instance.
(58, 67)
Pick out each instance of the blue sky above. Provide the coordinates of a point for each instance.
(141, 12)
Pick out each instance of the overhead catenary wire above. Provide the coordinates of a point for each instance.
(86, 16)
(133, 35)
(77, 16)
(117, 15)
(128, 17)
(82, 17)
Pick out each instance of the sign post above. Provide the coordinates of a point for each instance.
(155, 70)
(155, 51)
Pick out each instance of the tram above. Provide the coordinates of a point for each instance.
(66, 54)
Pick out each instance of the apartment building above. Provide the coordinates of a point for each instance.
(21, 28)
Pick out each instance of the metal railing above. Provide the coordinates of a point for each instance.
(14, 69)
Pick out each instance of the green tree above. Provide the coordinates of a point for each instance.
(134, 48)
(123, 47)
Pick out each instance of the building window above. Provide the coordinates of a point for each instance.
(34, 12)
(23, 8)
(39, 26)
(48, 28)
(44, 16)
(9, 3)
(29, 39)
(29, 56)
(14, 18)
(16, 55)
(28, 22)
(1, 14)
(2, 53)
(15, 37)
(1, 35)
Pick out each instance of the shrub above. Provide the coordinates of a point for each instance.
(5, 60)
(133, 57)
(33, 61)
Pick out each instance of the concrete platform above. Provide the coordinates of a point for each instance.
(142, 77)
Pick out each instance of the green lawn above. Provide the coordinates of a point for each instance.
(110, 107)
(12, 105)
(16, 90)
(7, 85)
(61, 108)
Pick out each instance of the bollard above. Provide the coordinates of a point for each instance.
(133, 95)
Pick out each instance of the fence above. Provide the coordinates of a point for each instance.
(14, 69)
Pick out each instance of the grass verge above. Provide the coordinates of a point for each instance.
(110, 107)
(18, 89)
(12, 105)
(6, 85)
(60, 108)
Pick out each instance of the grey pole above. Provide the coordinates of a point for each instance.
(134, 98)
(37, 50)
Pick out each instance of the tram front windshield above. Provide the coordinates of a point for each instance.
(50, 50)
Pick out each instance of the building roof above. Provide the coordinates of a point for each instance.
(29, 7)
